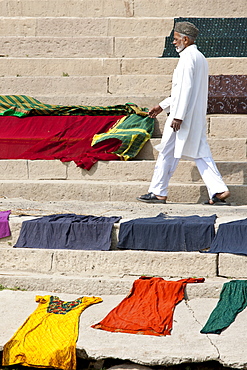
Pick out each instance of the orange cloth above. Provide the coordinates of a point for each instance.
(149, 307)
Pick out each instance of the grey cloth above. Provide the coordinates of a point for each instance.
(169, 234)
(67, 231)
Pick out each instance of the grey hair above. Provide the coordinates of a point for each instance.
(183, 35)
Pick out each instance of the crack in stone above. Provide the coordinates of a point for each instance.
(195, 318)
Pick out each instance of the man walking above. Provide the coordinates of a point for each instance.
(184, 134)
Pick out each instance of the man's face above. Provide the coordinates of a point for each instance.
(178, 42)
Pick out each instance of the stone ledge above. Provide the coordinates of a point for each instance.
(185, 344)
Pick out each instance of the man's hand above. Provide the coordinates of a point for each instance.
(155, 111)
(176, 123)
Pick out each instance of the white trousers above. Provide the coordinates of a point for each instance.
(166, 165)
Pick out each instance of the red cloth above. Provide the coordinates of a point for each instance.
(67, 138)
(149, 307)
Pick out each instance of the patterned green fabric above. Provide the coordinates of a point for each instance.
(218, 37)
(233, 299)
(133, 132)
(22, 106)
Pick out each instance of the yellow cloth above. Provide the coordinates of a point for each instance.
(48, 336)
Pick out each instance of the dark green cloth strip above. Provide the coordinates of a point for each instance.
(23, 106)
(233, 299)
(218, 37)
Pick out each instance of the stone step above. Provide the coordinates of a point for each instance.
(233, 173)
(97, 285)
(118, 85)
(103, 191)
(85, 26)
(55, 67)
(119, 8)
(222, 149)
(112, 272)
(80, 47)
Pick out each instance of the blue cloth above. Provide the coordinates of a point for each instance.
(231, 237)
(67, 231)
(165, 233)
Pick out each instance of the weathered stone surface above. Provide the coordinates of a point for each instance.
(232, 265)
(132, 47)
(182, 346)
(227, 66)
(224, 125)
(17, 27)
(60, 8)
(43, 170)
(65, 85)
(20, 259)
(144, 8)
(140, 27)
(103, 191)
(26, 66)
(59, 67)
(228, 149)
(57, 47)
(17, 169)
(139, 85)
(231, 351)
(123, 263)
(185, 344)
(72, 26)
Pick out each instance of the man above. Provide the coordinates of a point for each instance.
(184, 134)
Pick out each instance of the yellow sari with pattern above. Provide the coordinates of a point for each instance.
(48, 336)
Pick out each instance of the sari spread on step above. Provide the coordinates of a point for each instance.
(33, 130)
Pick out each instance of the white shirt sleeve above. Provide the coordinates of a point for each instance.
(165, 104)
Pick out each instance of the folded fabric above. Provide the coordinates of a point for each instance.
(231, 237)
(149, 307)
(4, 224)
(233, 299)
(132, 131)
(23, 106)
(67, 231)
(47, 339)
(166, 233)
(47, 132)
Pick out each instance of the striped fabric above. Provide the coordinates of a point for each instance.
(133, 132)
(22, 106)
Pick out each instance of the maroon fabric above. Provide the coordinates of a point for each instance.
(67, 138)
(227, 94)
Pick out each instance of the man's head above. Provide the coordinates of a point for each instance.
(185, 34)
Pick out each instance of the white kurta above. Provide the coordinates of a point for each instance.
(188, 102)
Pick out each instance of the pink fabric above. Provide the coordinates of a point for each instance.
(4, 224)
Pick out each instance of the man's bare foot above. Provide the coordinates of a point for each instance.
(159, 197)
(222, 196)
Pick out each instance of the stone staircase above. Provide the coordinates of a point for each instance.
(97, 53)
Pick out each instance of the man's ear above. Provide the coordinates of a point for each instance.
(187, 41)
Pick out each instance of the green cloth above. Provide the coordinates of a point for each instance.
(233, 299)
(132, 131)
(218, 37)
(23, 106)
